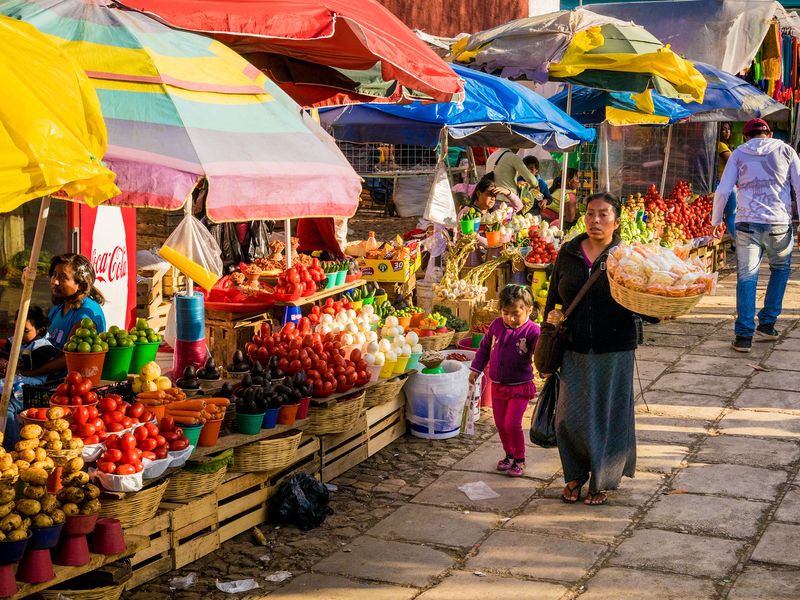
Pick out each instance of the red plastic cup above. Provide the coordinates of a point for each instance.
(36, 567)
(302, 409)
(108, 537)
(288, 414)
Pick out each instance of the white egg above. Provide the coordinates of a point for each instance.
(368, 309)
(392, 320)
(391, 355)
(347, 339)
(325, 328)
(369, 359)
(380, 359)
(399, 330)
(326, 318)
(412, 338)
(351, 328)
(360, 338)
(406, 350)
(351, 314)
(372, 336)
(400, 339)
(416, 349)
(373, 347)
(385, 345)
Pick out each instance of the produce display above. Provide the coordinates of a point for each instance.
(117, 338)
(150, 379)
(86, 339)
(657, 270)
(209, 372)
(75, 391)
(451, 321)
(300, 280)
(541, 244)
(142, 333)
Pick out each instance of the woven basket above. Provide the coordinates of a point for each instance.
(267, 455)
(460, 335)
(383, 392)
(109, 592)
(185, 484)
(135, 508)
(650, 304)
(336, 419)
(438, 342)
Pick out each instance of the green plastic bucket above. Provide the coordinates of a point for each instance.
(192, 433)
(142, 354)
(467, 226)
(340, 277)
(117, 363)
(249, 424)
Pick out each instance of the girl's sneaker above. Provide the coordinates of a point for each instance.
(516, 469)
(505, 464)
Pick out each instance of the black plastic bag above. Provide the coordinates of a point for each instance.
(302, 501)
(543, 422)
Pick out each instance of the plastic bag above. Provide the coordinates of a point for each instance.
(441, 207)
(260, 238)
(118, 483)
(192, 249)
(543, 421)
(302, 501)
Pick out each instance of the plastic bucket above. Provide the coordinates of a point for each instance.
(467, 226)
(340, 277)
(477, 338)
(413, 360)
(368, 300)
(270, 418)
(400, 365)
(493, 238)
(118, 361)
(287, 414)
(249, 424)
(374, 372)
(435, 403)
(405, 322)
(192, 433)
(209, 433)
(142, 354)
(331, 282)
(358, 304)
(88, 364)
(476, 225)
(416, 319)
(388, 369)
(302, 408)
(158, 412)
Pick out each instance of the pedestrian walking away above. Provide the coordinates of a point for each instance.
(765, 171)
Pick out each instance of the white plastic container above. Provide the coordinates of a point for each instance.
(471, 355)
(435, 403)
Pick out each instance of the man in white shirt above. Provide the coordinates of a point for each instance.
(507, 166)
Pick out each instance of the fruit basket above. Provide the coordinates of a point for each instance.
(436, 342)
(338, 418)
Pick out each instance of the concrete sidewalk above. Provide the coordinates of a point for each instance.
(713, 512)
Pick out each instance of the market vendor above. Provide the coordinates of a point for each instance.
(551, 212)
(533, 166)
(485, 199)
(507, 166)
(323, 235)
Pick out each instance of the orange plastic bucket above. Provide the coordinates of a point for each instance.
(287, 414)
(158, 412)
(88, 364)
(405, 322)
(493, 239)
(210, 433)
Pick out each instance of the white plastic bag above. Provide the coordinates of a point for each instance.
(155, 468)
(192, 249)
(179, 457)
(441, 208)
(92, 452)
(118, 483)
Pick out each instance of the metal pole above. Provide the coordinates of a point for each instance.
(606, 132)
(22, 316)
(666, 161)
(565, 159)
(287, 232)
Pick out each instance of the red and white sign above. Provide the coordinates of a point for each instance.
(108, 239)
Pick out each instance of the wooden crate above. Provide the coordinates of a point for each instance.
(308, 460)
(343, 451)
(499, 279)
(225, 336)
(155, 560)
(720, 256)
(462, 309)
(194, 528)
(386, 423)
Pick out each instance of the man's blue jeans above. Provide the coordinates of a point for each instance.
(753, 240)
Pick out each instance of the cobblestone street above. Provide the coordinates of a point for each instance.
(713, 512)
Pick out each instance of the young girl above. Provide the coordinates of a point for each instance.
(507, 348)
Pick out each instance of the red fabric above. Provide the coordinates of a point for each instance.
(318, 235)
(350, 34)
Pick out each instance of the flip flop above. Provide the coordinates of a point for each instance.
(595, 498)
(570, 489)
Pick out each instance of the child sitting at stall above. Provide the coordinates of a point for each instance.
(36, 350)
(507, 349)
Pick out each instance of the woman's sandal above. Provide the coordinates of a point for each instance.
(595, 498)
(568, 495)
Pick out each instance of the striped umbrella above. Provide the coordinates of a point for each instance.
(180, 107)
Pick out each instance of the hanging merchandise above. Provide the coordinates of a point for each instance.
(192, 249)
(441, 207)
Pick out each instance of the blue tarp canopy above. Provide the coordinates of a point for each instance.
(590, 106)
(495, 112)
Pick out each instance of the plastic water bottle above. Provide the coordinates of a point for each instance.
(557, 312)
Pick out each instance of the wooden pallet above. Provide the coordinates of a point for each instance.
(342, 451)
(155, 560)
(226, 335)
(386, 423)
(720, 256)
(194, 529)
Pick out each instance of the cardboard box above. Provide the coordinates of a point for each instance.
(373, 269)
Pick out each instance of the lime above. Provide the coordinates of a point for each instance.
(87, 323)
(113, 329)
(104, 346)
(84, 347)
(128, 343)
(152, 338)
(75, 340)
(149, 332)
(112, 343)
(83, 332)
(141, 324)
(142, 339)
(96, 348)
(71, 347)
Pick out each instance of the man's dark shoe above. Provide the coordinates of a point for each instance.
(767, 333)
(742, 343)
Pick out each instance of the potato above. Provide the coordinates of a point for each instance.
(35, 476)
(41, 454)
(26, 444)
(7, 494)
(51, 436)
(17, 535)
(91, 491)
(42, 443)
(59, 425)
(73, 464)
(79, 478)
(28, 455)
(30, 432)
(91, 507)
(9, 475)
(28, 507)
(55, 445)
(6, 462)
(56, 412)
(6, 508)
(3, 537)
(58, 516)
(69, 509)
(26, 523)
(66, 435)
(20, 465)
(35, 492)
(74, 495)
(42, 520)
(49, 503)
(10, 522)
(75, 444)
(46, 465)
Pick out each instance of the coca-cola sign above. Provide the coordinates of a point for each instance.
(110, 266)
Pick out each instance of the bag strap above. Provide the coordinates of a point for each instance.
(589, 283)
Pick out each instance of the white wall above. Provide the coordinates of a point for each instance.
(540, 7)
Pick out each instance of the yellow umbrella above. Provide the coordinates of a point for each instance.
(52, 137)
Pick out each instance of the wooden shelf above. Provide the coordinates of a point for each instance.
(322, 294)
(331, 400)
(239, 439)
(135, 543)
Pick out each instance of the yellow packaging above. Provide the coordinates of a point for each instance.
(194, 271)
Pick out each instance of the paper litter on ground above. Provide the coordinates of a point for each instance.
(478, 490)
(234, 587)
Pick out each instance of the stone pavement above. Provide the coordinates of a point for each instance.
(713, 512)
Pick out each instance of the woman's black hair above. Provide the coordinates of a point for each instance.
(38, 319)
(513, 292)
(484, 184)
(611, 199)
(531, 160)
(83, 275)
(571, 172)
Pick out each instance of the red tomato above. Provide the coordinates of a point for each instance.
(107, 404)
(160, 440)
(98, 423)
(129, 457)
(179, 432)
(62, 389)
(147, 444)
(113, 454)
(107, 467)
(126, 422)
(127, 442)
(166, 424)
(152, 429)
(148, 455)
(138, 467)
(41, 413)
(73, 377)
(76, 400)
(125, 470)
(170, 436)
(112, 442)
(90, 397)
(136, 410)
(180, 444)
(107, 418)
(146, 417)
(115, 427)
(161, 452)
(86, 430)
(117, 416)
(81, 415)
(93, 412)
(140, 433)
(91, 439)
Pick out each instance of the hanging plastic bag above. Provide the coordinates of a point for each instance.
(260, 238)
(543, 422)
(302, 501)
(192, 249)
(441, 208)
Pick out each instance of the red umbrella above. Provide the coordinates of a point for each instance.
(356, 35)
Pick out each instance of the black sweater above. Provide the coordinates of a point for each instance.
(598, 323)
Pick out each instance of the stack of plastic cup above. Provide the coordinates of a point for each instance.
(190, 320)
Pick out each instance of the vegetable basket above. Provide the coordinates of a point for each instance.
(134, 508)
(108, 592)
(460, 335)
(434, 343)
(650, 304)
(267, 455)
(383, 392)
(198, 479)
(338, 418)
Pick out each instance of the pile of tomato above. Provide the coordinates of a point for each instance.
(301, 280)
(542, 253)
(75, 391)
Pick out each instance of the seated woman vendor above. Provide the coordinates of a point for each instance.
(551, 212)
(323, 236)
(484, 199)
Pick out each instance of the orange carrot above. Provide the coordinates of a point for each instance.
(151, 401)
(157, 395)
(197, 405)
(218, 401)
(186, 420)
